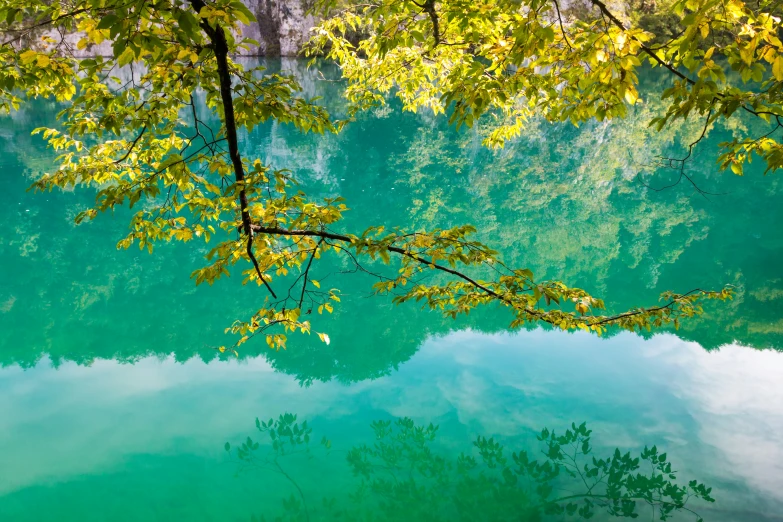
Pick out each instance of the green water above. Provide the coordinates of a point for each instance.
(116, 406)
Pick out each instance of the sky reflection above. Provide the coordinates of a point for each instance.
(717, 413)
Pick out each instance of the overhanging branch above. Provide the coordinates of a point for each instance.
(217, 36)
(505, 299)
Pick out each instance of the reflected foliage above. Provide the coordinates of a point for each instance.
(405, 475)
(143, 145)
(566, 202)
(584, 205)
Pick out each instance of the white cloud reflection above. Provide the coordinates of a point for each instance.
(719, 414)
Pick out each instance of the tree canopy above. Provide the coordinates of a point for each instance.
(517, 59)
(132, 127)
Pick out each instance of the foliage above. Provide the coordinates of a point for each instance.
(131, 129)
(515, 59)
(576, 213)
(402, 476)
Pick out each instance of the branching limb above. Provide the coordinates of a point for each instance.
(307, 270)
(220, 46)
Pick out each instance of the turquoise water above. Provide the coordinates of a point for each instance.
(116, 405)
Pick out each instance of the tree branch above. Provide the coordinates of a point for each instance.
(307, 271)
(605, 10)
(132, 145)
(540, 314)
(220, 47)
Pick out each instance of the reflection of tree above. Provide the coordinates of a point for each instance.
(560, 200)
(568, 203)
(402, 476)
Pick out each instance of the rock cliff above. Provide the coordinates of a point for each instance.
(282, 28)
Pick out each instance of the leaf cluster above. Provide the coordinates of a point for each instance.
(512, 60)
(134, 130)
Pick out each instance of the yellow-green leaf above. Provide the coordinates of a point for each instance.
(28, 56)
(777, 68)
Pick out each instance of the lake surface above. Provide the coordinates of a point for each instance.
(115, 404)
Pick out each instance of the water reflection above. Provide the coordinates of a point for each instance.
(560, 200)
(143, 441)
(80, 427)
(401, 476)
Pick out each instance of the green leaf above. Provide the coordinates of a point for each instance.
(125, 57)
(108, 21)
(777, 68)
(11, 16)
(242, 13)
(28, 56)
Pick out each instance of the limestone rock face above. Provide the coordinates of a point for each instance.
(282, 28)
